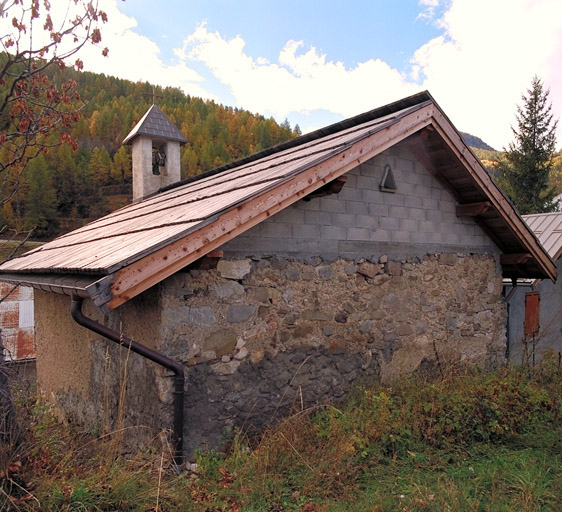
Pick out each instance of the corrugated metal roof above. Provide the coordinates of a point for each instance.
(548, 229)
(156, 125)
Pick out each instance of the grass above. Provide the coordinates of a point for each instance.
(12, 248)
(467, 442)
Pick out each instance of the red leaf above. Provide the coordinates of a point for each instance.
(96, 36)
(48, 23)
(23, 125)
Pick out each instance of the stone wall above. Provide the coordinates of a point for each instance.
(360, 286)
(262, 335)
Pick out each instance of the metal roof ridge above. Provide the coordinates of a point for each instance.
(528, 215)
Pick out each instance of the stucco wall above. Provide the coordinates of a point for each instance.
(89, 378)
(550, 322)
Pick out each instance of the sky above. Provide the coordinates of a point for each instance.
(315, 62)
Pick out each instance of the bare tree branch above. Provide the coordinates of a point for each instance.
(36, 113)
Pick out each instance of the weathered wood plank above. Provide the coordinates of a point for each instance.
(473, 209)
(157, 266)
(330, 188)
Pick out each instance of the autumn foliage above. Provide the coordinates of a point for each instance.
(62, 162)
(38, 106)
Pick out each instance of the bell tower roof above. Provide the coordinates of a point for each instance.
(156, 125)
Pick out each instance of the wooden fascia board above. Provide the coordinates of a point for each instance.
(150, 270)
(333, 187)
(268, 189)
(496, 197)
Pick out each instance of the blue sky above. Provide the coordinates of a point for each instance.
(346, 31)
(315, 62)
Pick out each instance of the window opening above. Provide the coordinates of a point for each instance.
(158, 160)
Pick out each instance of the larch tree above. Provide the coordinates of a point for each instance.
(528, 160)
(37, 108)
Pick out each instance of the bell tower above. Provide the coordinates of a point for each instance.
(155, 142)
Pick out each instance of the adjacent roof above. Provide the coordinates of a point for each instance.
(156, 125)
(130, 250)
(548, 229)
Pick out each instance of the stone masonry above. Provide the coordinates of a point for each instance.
(261, 336)
(330, 293)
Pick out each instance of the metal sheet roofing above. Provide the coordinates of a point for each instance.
(128, 234)
(548, 229)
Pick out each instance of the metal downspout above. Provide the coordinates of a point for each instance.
(152, 355)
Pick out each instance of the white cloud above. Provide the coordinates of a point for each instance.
(299, 82)
(486, 58)
(135, 57)
(477, 69)
(428, 9)
(131, 56)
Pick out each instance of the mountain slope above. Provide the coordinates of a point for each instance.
(475, 142)
(64, 189)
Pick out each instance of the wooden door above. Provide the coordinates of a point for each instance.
(532, 309)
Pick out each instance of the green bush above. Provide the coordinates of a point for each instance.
(472, 441)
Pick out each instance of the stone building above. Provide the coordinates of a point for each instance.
(359, 252)
(534, 305)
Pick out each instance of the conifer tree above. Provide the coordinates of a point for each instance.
(42, 199)
(529, 158)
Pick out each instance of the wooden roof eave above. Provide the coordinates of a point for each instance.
(153, 268)
(59, 257)
(498, 200)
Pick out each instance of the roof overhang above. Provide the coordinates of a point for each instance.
(153, 268)
(419, 124)
(442, 151)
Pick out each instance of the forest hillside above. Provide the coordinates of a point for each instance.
(64, 189)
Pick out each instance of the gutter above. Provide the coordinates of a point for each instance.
(152, 355)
